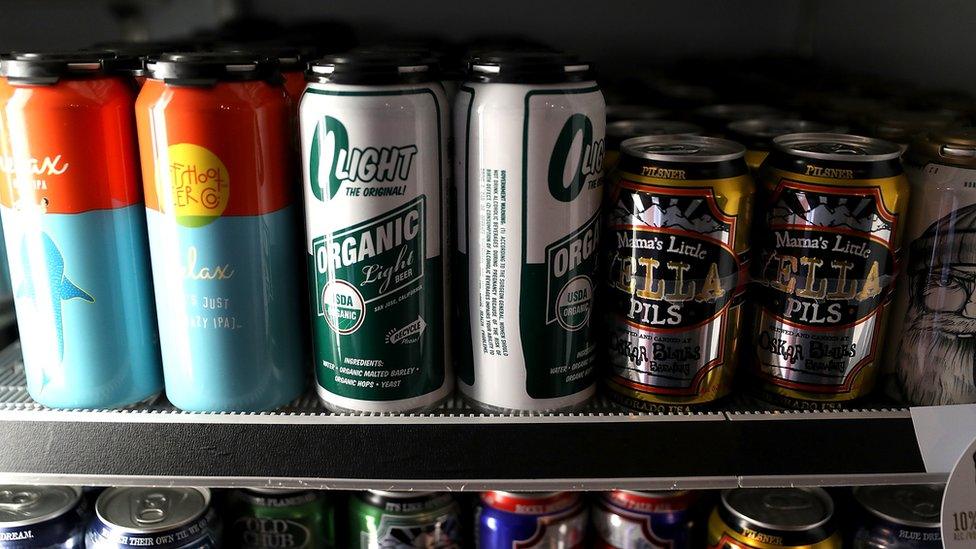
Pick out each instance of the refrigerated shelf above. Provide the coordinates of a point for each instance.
(451, 448)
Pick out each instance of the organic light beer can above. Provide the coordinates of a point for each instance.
(214, 135)
(833, 212)
(75, 231)
(933, 321)
(677, 253)
(529, 130)
(374, 136)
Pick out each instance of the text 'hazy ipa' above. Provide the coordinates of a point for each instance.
(374, 135)
(933, 321)
(832, 215)
(677, 250)
(530, 146)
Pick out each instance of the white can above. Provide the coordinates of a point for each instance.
(529, 151)
(374, 130)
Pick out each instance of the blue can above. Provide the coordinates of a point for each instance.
(899, 517)
(75, 231)
(215, 136)
(163, 518)
(625, 519)
(527, 520)
(42, 517)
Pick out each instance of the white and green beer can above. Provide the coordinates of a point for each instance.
(374, 154)
(529, 137)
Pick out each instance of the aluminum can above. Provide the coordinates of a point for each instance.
(903, 127)
(757, 135)
(215, 142)
(529, 131)
(634, 112)
(42, 517)
(833, 211)
(625, 519)
(271, 518)
(379, 520)
(899, 517)
(716, 118)
(509, 520)
(621, 130)
(75, 231)
(374, 151)
(164, 518)
(676, 269)
(773, 519)
(933, 320)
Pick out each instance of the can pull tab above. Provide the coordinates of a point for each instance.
(151, 508)
(18, 501)
(950, 151)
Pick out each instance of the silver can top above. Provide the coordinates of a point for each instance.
(27, 505)
(150, 510)
(918, 505)
(783, 509)
(773, 127)
(683, 148)
(639, 127)
(838, 147)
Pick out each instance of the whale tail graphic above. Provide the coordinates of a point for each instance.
(51, 280)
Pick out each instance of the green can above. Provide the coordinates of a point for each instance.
(404, 519)
(266, 518)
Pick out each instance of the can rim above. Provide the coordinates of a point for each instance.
(205, 492)
(819, 493)
(633, 127)
(401, 494)
(726, 149)
(787, 144)
(859, 490)
(49, 516)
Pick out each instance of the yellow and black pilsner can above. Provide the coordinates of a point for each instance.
(776, 518)
(832, 211)
(676, 261)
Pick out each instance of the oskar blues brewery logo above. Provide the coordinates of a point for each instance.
(826, 270)
(376, 292)
(673, 277)
(345, 164)
(563, 364)
(259, 533)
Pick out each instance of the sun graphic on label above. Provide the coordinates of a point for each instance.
(199, 184)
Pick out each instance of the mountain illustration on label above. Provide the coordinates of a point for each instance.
(51, 280)
(859, 213)
(665, 213)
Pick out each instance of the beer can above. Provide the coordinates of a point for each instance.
(622, 130)
(75, 231)
(716, 118)
(531, 520)
(404, 519)
(529, 130)
(773, 519)
(833, 212)
(676, 269)
(625, 519)
(933, 320)
(215, 142)
(757, 135)
(899, 517)
(165, 518)
(899, 126)
(42, 516)
(374, 151)
(271, 518)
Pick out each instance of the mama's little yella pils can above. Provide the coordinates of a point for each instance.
(374, 138)
(832, 214)
(677, 246)
(529, 135)
(214, 131)
(75, 231)
(776, 518)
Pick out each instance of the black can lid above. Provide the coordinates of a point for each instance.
(527, 67)
(952, 146)
(287, 58)
(45, 68)
(208, 68)
(373, 68)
